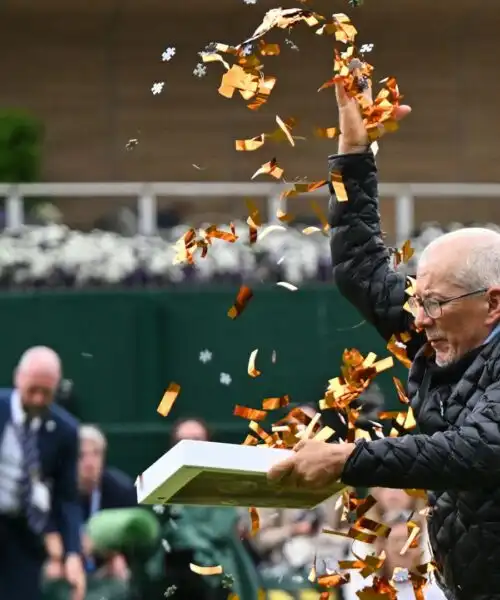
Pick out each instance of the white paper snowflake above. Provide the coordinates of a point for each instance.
(366, 48)
(168, 54)
(247, 50)
(225, 379)
(159, 509)
(166, 546)
(250, 1)
(292, 45)
(205, 356)
(157, 87)
(200, 70)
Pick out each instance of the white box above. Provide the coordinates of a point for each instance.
(215, 474)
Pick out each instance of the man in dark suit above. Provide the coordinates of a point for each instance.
(38, 483)
(101, 487)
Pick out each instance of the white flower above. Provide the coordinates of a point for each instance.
(168, 54)
(225, 379)
(205, 356)
(157, 87)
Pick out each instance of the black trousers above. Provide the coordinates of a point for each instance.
(21, 558)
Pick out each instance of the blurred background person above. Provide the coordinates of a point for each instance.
(206, 536)
(397, 566)
(290, 540)
(101, 487)
(38, 486)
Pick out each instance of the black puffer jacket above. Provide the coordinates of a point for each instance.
(456, 453)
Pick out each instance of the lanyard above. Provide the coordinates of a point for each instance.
(95, 506)
(95, 502)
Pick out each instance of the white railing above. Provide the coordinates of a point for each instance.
(404, 195)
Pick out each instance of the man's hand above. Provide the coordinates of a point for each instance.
(354, 137)
(314, 464)
(75, 576)
(53, 569)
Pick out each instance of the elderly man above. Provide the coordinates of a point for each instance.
(38, 454)
(454, 381)
(101, 487)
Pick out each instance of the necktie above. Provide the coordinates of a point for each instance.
(31, 468)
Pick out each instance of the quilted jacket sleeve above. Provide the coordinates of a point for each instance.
(361, 261)
(464, 458)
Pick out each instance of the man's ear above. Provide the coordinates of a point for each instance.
(493, 306)
(15, 377)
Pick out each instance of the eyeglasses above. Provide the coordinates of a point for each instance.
(433, 307)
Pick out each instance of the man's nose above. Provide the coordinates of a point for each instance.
(422, 319)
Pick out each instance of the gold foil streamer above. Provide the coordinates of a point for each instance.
(169, 398)
(252, 371)
(338, 187)
(269, 168)
(199, 570)
(398, 348)
(245, 294)
(252, 414)
(255, 520)
(275, 403)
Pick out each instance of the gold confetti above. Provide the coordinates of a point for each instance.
(269, 168)
(254, 519)
(251, 144)
(311, 230)
(404, 254)
(275, 403)
(303, 188)
(270, 229)
(169, 397)
(199, 570)
(283, 18)
(268, 49)
(252, 371)
(254, 219)
(252, 414)
(398, 348)
(245, 294)
(338, 186)
(324, 434)
(327, 132)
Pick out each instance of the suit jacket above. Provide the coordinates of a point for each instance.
(117, 490)
(58, 450)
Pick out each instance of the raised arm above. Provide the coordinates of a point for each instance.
(361, 261)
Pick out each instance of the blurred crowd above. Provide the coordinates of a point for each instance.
(279, 555)
(57, 257)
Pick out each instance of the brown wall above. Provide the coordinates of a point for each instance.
(86, 69)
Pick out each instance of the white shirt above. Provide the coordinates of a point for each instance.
(11, 458)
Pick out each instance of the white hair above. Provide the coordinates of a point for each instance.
(477, 256)
(91, 433)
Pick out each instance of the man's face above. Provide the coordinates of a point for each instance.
(191, 430)
(392, 499)
(91, 462)
(36, 388)
(393, 546)
(464, 324)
